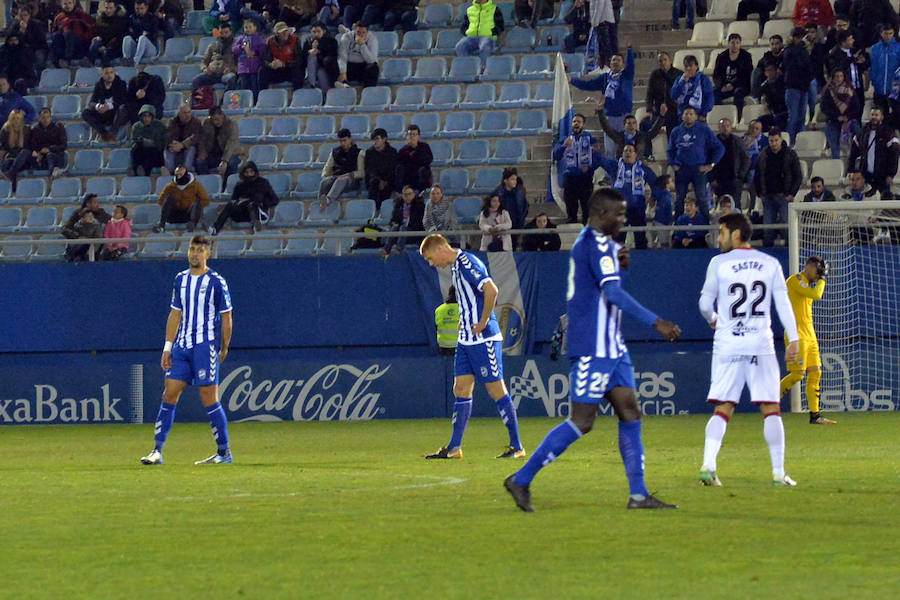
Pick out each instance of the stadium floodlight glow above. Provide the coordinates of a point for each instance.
(857, 321)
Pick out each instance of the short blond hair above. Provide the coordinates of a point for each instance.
(431, 242)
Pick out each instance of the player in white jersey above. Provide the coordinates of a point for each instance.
(741, 286)
(193, 350)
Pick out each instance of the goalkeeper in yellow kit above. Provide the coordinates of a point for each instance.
(804, 288)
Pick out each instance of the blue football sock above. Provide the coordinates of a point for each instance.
(632, 450)
(507, 411)
(556, 442)
(219, 425)
(164, 420)
(461, 412)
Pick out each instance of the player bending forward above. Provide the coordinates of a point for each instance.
(742, 283)
(804, 288)
(192, 352)
(479, 350)
(601, 368)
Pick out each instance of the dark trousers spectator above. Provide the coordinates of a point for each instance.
(107, 122)
(879, 183)
(249, 81)
(398, 242)
(796, 105)
(351, 15)
(146, 159)
(688, 8)
(636, 216)
(684, 177)
(49, 161)
(577, 191)
(406, 20)
(775, 209)
(13, 166)
(229, 80)
(185, 157)
(170, 214)
(109, 52)
(761, 7)
(294, 19)
(419, 178)
(210, 164)
(373, 15)
(374, 192)
(67, 46)
(739, 94)
(571, 43)
(293, 75)
(241, 210)
(777, 120)
(365, 73)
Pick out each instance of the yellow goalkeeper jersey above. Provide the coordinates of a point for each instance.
(802, 295)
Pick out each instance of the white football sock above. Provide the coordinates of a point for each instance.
(773, 430)
(715, 432)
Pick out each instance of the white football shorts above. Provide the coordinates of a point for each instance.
(761, 373)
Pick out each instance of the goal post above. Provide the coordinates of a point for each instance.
(857, 321)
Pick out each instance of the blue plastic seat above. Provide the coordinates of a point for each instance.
(29, 191)
(384, 215)
(513, 95)
(518, 40)
(49, 252)
(264, 155)
(66, 106)
(251, 129)
(431, 69)
(172, 103)
(284, 129)
(357, 212)
(134, 189)
(11, 252)
(54, 81)
(429, 124)
(473, 152)
(322, 156)
(264, 247)
(202, 45)
(467, 209)
(231, 248)
(460, 14)
(318, 128)
(320, 218)
(104, 187)
(126, 74)
(530, 122)
(464, 69)
(144, 216)
(288, 214)
(543, 95)
(444, 97)
(374, 99)
(210, 214)
(395, 71)
(211, 182)
(78, 134)
(40, 219)
(454, 181)
(194, 23)
(493, 124)
(436, 16)
(299, 247)
(387, 42)
(574, 63)
(556, 35)
(10, 219)
(85, 79)
(335, 246)
(307, 185)
(459, 124)
(64, 190)
(508, 10)
(305, 101)
(535, 66)
(441, 152)
(510, 151)
(177, 50)
(499, 68)
(479, 96)
(270, 102)
(394, 125)
(237, 102)
(5, 190)
(415, 43)
(36, 102)
(161, 183)
(119, 161)
(295, 156)
(158, 245)
(486, 180)
(184, 77)
(164, 72)
(339, 100)
(281, 183)
(409, 98)
(445, 45)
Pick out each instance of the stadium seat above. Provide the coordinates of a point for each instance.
(158, 245)
(161, 182)
(556, 36)
(307, 185)
(387, 42)
(172, 103)
(534, 66)
(357, 212)
(508, 152)
(395, 71)
(459, 124)
(529, 122)
(288, 214)
(164, 72)
(507, 9)
(65, 190)
(264, 155)
(359, 125)
(394, 125)
(231, 248)
(518, 40)
(780, 27)
(748, 30)
(85, 80)
(10, 219)
(318, 217)
(185, 76)
(335, 246)
(493, 124)
(202, 45)
(305, 101)
(18, 252)
(709, 34)
(5, 190)
(177, 50)
(444, 97)
(722, 10)
(384, 215)
(54, 81)
(104, 187)
(499, 68)
(486, 180)
(339, 100)
(29, 191)
(65, 107)
(429, 124)
(281, 183)
(543, 95)
(431, 69)
(574, 64)
(144, 216)
(831, 170)
(445, 45)
(318, 128)
(454, 181)
(295, 156)
(441, 153)
(78, 134)
(479, 96)
(678, 59)
(251, 129)
(194, 22)
(126, 74)
(119, 161)
(210, 214)
(513, 95)
(36, 102)
(211, 182)
(284, 129)
(374, 99)
(436, 16)
(135, 189)
(460, 15)
(49, 252)
(409, 98)
(722, 111)
(472, 152)
(810, 144)
(270, 102)
(40, 219)
(264, 247)
(237, 102)
(415, 43)
(322, 156)
(299, 247)
(467, 209)
(464, 69)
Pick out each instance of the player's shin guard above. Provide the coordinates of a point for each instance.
(632, 450)
(790, 380)
(219, 425)
(461, 412)
(812, 389)
(507, 411)
(556, 442)
(164, 420)
(715, 433)
(773, 430)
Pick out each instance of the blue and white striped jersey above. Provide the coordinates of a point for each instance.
(594, 322)
(469, 276)
(201, 300)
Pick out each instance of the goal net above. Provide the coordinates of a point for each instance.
(857, 321)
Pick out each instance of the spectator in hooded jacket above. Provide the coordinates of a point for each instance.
(140, 41)
(17, 63)
(219, 150)
(544, 241)
(380, 166)
(320, 57)
(885, 57)
(182, 137)
(33, 33)
(105, 111)
(249, 50)
(218, 63)
(144, 88)
(11, 100)
(358, 57)
(343, 171)
(182, 201)
(111, 28)
(148, 140)
(481, 28)
(282, 60)
(252, 199)
(48, 142)
(731, 76)
(71, 34)
(618, 91)
(693, 89)
(693, 152)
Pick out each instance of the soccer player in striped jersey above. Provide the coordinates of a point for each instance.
(804, 288)
(601, 367)
(193, 350)
(479, 350)
(741, 286)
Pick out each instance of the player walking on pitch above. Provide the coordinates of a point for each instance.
(192, 352)
(742, 283)
(479, 350)
(804, 288)
(601, 366)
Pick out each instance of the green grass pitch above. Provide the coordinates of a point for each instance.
(351, 510)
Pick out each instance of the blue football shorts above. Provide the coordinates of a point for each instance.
(591, 377)
(197, 366)
(484, 361)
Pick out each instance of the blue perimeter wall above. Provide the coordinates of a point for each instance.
(315, 339)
